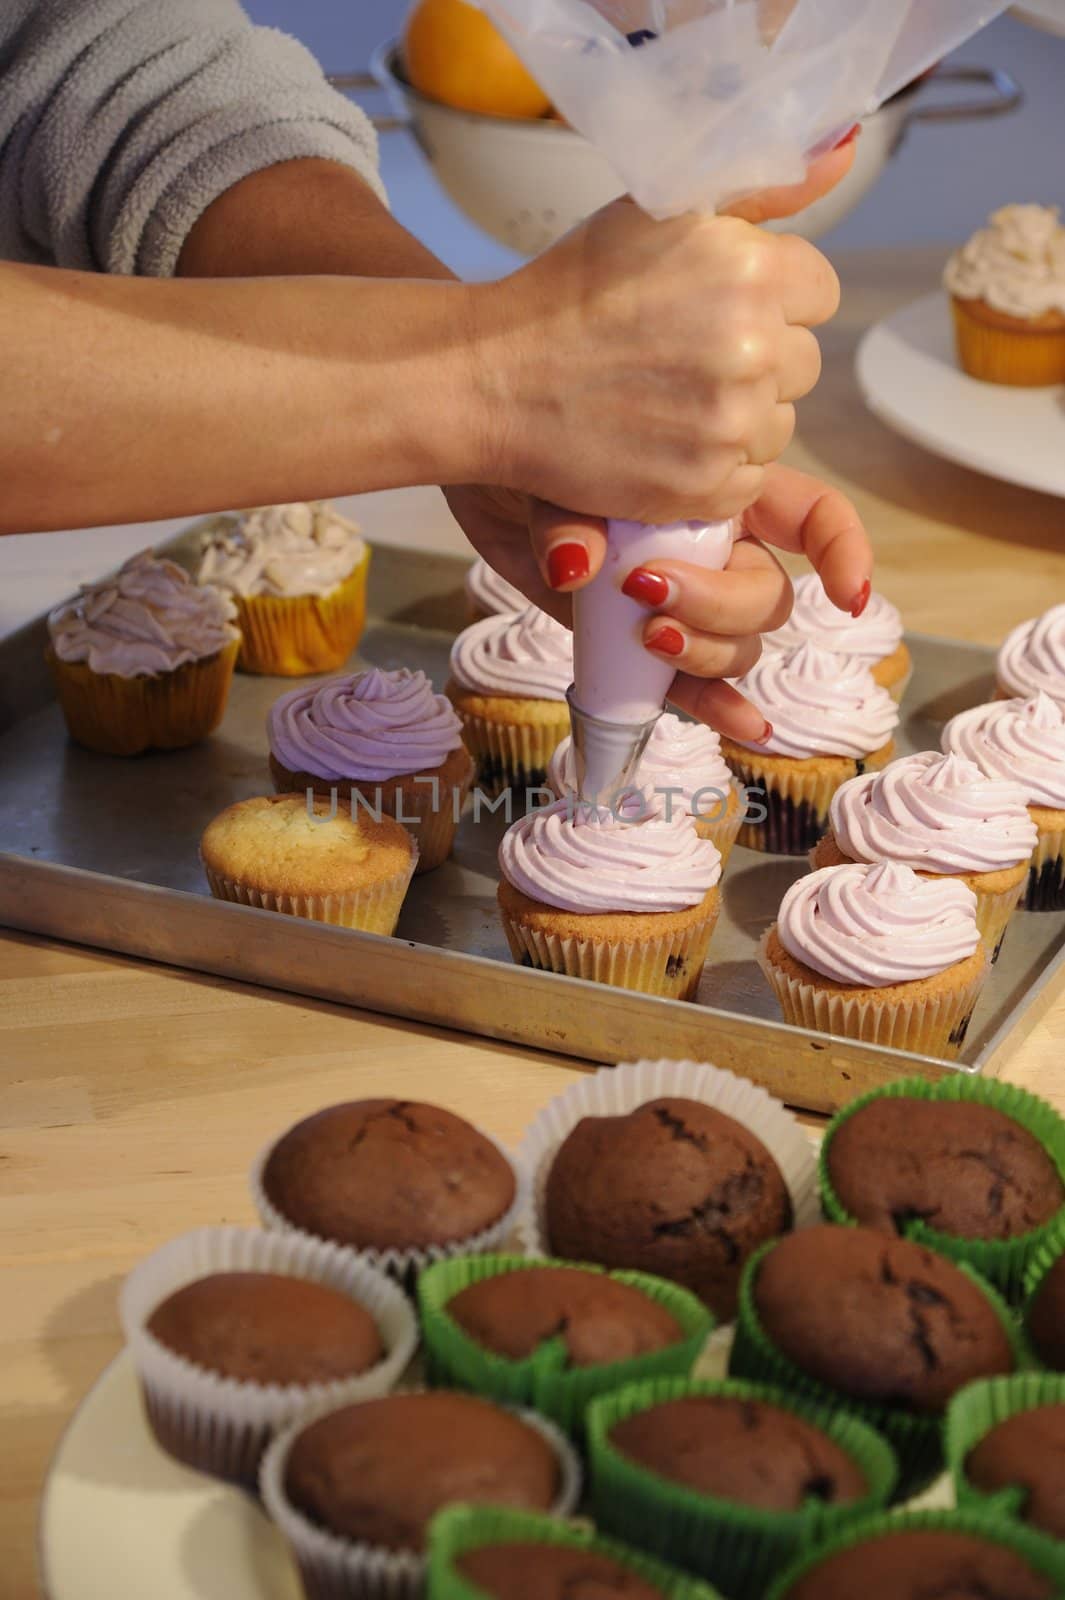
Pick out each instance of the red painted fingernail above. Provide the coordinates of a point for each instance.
(765, 735)
(646, 587)
(566, 563)
(861, 599)
(849, 137)
(667, 641)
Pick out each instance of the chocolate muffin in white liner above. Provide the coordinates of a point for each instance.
(1032, 658)
(875, 638)
(222, 1425)
(488, 594)
(336, 1568)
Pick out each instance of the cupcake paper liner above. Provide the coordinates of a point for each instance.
(459, 1530)
(1003, 1262)
(335, 1568)
(1045, 1255)
(293, 636)
(723, 830)
(1018, 357)
(737, 1546)
(797, 799)
(374, 909)
(155, 711)
(512, 755)
(916, 1439)
(543, 1379)
(1045, 888)
(978, 1409)
(402, 1265)
(613, 1091)
(222, 1425)
(1044, 1554)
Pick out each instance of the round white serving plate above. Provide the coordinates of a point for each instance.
(909, 376)
(1046, 14)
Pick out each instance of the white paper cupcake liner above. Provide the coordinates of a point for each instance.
(374, 909)
(222, 1425)
(335, 1568)
(614, 1091)
(401, 1265)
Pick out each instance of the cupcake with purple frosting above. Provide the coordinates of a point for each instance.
(489, 595)
(382, 740)
(875, 638)
(1031, 658)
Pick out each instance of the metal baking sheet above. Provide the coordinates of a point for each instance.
(103, 851)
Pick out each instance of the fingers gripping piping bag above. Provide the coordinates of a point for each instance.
(694, 103)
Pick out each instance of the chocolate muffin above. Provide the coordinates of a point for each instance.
(1026, 1451)
(598, 1319)
(879, 1319)
(388, 1175)
(674, 1188)
(961, 1167)
(922, 1563)
(1046, 1317)
(744, 1450)
(528, 1571)
(264, 1327)
(376, 1472)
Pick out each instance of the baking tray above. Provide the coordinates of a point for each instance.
(103, 851)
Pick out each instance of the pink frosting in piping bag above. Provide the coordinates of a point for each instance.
(372, 726)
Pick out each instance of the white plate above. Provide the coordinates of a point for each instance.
(909, 375)
(1046, 14)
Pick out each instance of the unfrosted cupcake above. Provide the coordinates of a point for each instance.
(1007, 288)
(874, 638)
(509, 676)
(879, 954)
(489, 595)
(297, 574)
(143, 659)
(1024, 740)
(830, 722)
(941, 816)
(683, 766)
(1032, 658)
(384, 736)
(589, 893)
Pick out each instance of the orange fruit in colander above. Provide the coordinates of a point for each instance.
(452, 52)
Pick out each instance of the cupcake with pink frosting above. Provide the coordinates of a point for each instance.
(1024, 741)
(489, 595)
(382, 736)
(830, 721)
(942, 816)
(509, 676)
(875, 638)
(878, 953)
(620, 894)
(1031, 659)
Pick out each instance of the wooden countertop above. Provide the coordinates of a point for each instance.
(133, 1097)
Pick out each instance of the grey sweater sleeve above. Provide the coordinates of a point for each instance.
(121, 120)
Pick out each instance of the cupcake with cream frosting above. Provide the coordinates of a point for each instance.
(880, 954)
(620, 895)
(143, 659)
(489, 595)
(1007, 289)
(830, 722)
(297, 575)
(1031, 658)
(384, 737)
(683, 767)
(940, 815)
(509, 676)
(875, 638)
(1024, 741)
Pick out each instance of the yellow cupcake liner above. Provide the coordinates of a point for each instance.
(374, 909)
(723, 831)
(513, 755)
(1045, 889)
(1020, 358)
(292, 636)
(155, 711)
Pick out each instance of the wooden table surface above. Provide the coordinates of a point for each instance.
(133, 1097)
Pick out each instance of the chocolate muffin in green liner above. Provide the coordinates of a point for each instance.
(1005, 1445)
(1044, 1306)
(971, 1167)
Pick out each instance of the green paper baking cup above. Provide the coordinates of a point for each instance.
(917, 1440)
(458, 1530)
(738, 1547)
(1048, 1254)
(1003, 1262)
(543, 1380)
(1046, 1555)
(974, 1412)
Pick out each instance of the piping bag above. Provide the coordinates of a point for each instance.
(695, 103)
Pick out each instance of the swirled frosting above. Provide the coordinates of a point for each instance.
(282, 550)
(1032, 657)
(682, 767)
(148, 617)
(585, 858)
(1023, 740)
(936, 813)
(530, 655)
(371, 726)
(491, 593)
(871, 925)
(1015, 264)
(819, 703)
(868, 638)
